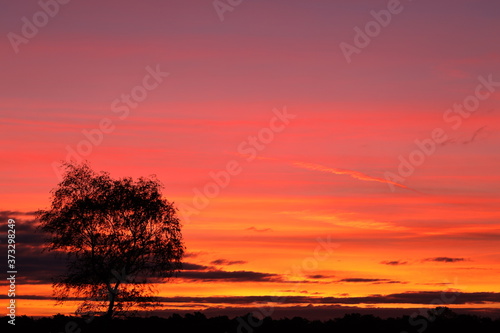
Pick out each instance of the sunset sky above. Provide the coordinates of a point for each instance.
(342, 153)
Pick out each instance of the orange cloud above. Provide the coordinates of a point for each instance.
(353, 174)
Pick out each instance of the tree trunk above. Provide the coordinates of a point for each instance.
(112, 297)
(111, 305)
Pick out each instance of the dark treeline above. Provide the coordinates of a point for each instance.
(445, 321)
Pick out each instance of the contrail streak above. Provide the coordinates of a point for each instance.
(353, 174)
(318, 167)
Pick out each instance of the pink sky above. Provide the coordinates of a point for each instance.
(322, 175)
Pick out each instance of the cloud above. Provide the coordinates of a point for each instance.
(211, 307)
(41, 267)
(193, 254)
(345, 220)
(394, 263)
(445, 259)
(413, 297)
(38, 266)
(317, 312)
(360, 280)
(354, 174)
(234, 276)
(436, 284)
(317, 276)
(15, 213)
(259, 230)
(187, 266)
(228, 262)
(197, 272)
(318, 167)
(374, 281)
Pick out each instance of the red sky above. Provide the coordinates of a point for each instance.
(315, 143)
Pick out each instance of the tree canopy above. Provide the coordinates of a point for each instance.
(120, 236)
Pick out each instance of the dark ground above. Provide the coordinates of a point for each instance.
(441, 320)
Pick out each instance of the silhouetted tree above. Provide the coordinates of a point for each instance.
(119, 235)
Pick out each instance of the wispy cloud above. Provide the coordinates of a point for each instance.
(445, 259)
(346, 220)
(226, 262)
(259, 230)
(337, 171)
(234, 276)
(354, 174)
(394, 263)
(374, 281)
(317, 276)
(198, 272)
(412, 297)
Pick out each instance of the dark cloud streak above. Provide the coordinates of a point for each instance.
(445, 259)
(225, 262)
(417, 297)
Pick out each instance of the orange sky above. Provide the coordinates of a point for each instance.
(267, 140)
